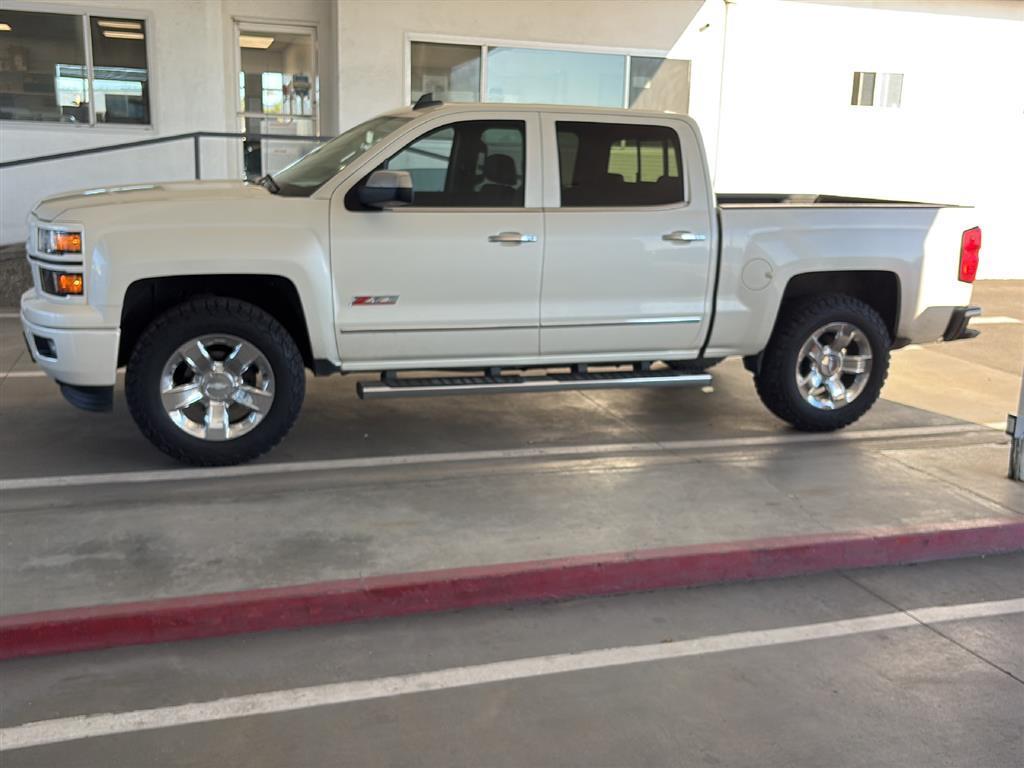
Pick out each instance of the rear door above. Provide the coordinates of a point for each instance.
(628, 234)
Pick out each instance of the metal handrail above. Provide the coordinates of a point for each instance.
(195, 136)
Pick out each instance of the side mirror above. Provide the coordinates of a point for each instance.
(386, 189)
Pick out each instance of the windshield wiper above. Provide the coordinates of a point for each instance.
(268, 182)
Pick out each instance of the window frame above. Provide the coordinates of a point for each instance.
(86, 16)
(484, 43)
(348, 179)
(686, 145)
(521, 120)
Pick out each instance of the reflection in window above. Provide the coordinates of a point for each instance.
(42, 67)
(120, 74)
(568, 147)
(427, 160)
(532, 76)
(449, 72)
(659, 84)
(643, 161)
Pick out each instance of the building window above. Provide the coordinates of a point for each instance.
(498, 73)
(450, 72)
(120, 77)
(534, 76)
(66, 68)
(605, 164)
(877, 89)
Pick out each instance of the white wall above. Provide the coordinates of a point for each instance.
(193, 88)
(958, 137)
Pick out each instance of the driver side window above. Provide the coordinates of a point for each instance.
(477, 163)
(427, 160)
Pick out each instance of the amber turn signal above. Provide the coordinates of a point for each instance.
(61, 283)
(70, 285)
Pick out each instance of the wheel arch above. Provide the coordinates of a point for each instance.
(879, 289)
(148, 298)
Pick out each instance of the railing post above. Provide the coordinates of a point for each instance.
(1017, 437)
(195, 153)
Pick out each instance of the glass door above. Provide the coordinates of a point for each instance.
(278, 87)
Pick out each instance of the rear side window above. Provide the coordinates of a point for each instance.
(607, 164)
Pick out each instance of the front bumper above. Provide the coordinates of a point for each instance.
(957, 328)
(77, 357)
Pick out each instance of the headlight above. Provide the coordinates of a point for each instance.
(61, 283)
(59, 241)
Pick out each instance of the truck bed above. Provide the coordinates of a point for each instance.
(751, 199)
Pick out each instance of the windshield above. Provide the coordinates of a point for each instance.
(306, 174)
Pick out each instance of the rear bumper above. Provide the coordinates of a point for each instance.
(958, 322)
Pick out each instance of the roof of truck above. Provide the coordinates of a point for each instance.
(437, 108)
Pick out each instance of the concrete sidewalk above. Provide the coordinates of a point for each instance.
(68, 547)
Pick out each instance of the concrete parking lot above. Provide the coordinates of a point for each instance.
(917, 666)
(93, 515)
(920, 662)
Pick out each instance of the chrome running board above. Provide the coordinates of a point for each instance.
(391, 385)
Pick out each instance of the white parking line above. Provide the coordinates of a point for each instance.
(36, 374)
(555, 452)
(272, 702)
(23, 375)
(995, 320)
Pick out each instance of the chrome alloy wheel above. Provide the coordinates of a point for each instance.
(217, 387)
(834, 366)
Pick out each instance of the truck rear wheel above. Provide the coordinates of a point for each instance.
(215, 381)
(825, 363)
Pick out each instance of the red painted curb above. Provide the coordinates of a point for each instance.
(181, 618)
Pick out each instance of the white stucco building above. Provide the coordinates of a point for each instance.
(911, 99)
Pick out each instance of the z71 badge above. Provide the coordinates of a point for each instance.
(368, 301)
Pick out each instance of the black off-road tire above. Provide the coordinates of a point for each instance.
(190, 320)
(776, 381)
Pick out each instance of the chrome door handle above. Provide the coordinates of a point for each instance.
(681, 236)
(513, 238)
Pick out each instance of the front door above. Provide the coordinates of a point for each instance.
(628, 239)
(453, 279)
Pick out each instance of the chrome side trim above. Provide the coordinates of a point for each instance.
(521, 326)
(631, 321)
(439, 328)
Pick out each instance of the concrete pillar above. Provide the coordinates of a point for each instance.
(1017, 446)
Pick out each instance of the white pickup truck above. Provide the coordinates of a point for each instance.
(492, 248)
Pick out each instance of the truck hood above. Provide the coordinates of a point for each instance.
(51, 208)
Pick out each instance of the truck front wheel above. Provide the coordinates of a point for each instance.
(215, 381)
(825, 363)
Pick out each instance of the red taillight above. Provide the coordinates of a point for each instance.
(970, 247)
